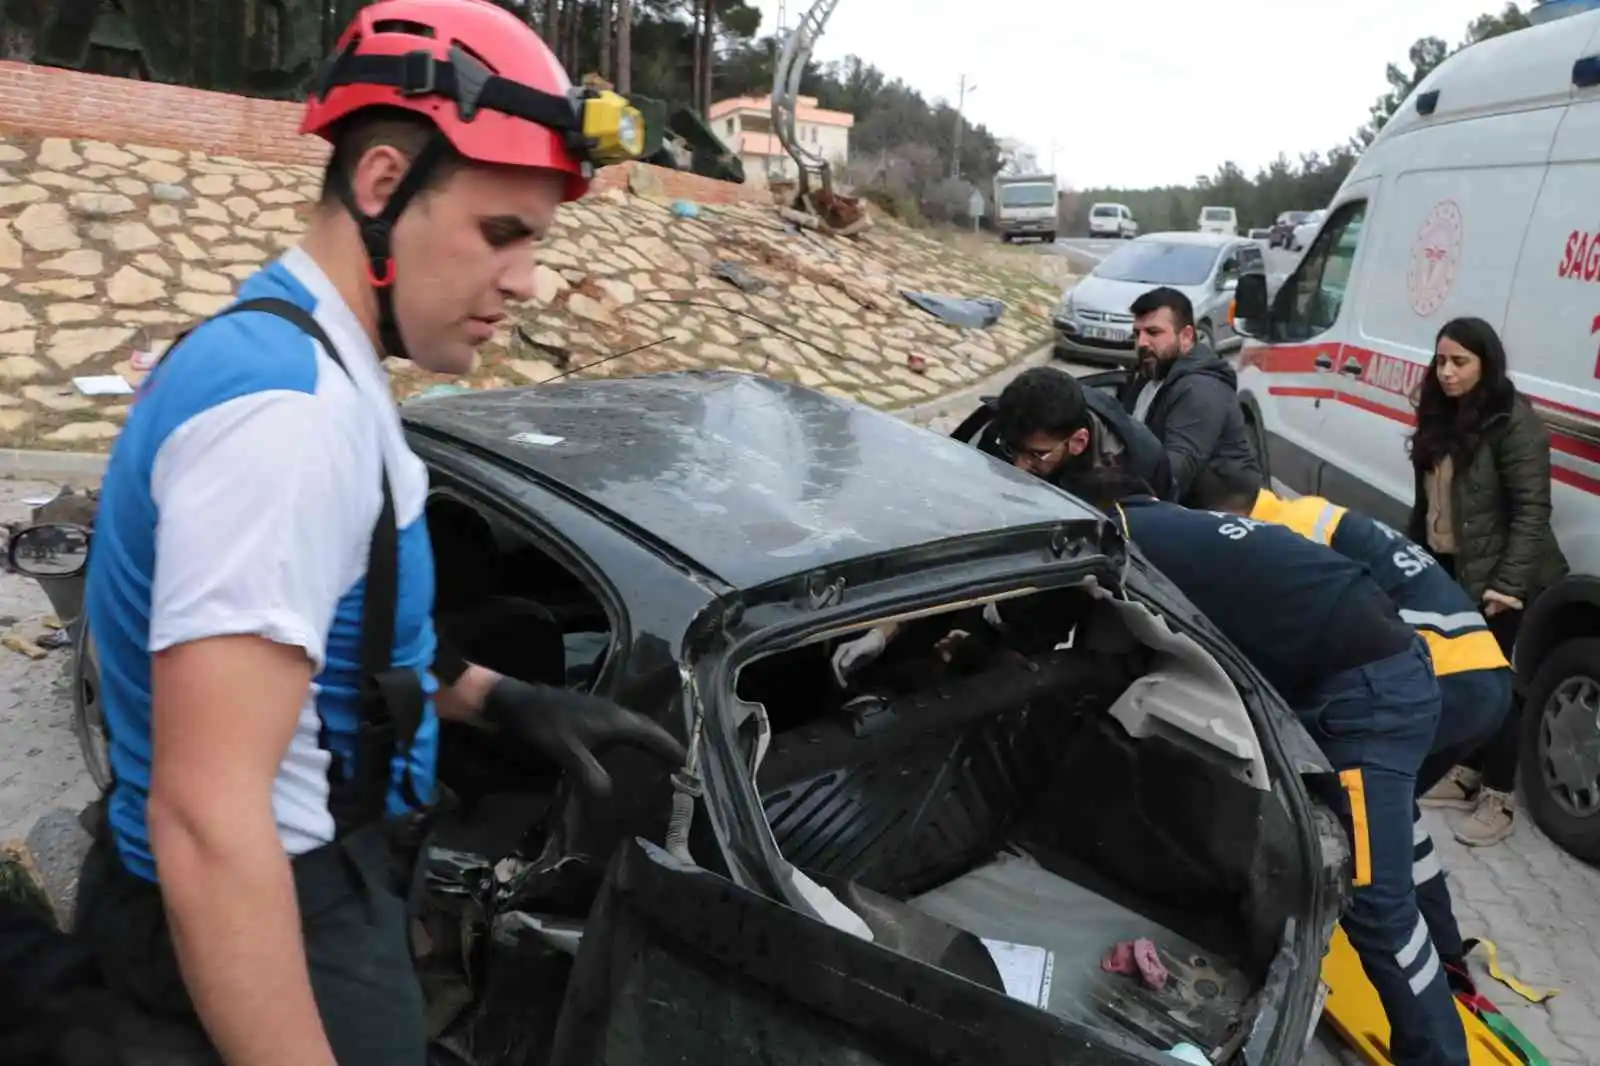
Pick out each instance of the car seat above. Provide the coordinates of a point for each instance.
(511, 635)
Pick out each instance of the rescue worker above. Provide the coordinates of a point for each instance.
(1184, 392)
(1475, 680)
(262, 582)
(1326, 636)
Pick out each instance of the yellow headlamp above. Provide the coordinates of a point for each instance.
(613, 129)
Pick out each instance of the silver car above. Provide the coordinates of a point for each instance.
(1092, 323)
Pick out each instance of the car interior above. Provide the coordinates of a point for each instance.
(505, 603)
(1075, 786)
(1072, 794)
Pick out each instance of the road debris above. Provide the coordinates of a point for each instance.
(977, 313)
(23, 646)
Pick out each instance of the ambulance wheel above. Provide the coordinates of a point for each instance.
(1258, 441)
(1559, 746)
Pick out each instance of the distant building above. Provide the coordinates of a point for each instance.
(745, 123)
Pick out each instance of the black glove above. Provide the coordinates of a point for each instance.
(568, 727)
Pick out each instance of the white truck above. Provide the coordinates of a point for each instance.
(1026, 205)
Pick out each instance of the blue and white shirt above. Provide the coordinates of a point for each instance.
(240, 499)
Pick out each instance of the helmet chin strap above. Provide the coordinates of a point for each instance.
(377, 235)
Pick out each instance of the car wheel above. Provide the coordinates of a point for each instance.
(1560, 747)
(1258, 441)
(1206, 336)
(87, 723)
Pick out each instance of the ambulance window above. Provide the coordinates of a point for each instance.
(1318, 290)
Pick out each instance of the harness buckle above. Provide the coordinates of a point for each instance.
(418, 76)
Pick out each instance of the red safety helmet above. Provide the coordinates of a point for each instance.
(491, 88)
(476, 71)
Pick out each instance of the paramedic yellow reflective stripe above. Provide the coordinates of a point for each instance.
(1310, 516)
(1355, 788)
(1455, 652)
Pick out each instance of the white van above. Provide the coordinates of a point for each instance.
(1112, 220)
(1478, 198)
(1223, 220)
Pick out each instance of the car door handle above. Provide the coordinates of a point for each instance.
(1324, 361)
(1351, 368)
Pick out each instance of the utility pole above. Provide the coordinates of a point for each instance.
(961, 103)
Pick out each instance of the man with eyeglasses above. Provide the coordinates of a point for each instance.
(1049, 425)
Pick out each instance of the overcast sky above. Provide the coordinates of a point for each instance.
(1146, 92)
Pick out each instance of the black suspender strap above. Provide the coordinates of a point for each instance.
(391, 701)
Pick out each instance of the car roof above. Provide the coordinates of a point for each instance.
(750, 479)
(1211, 240)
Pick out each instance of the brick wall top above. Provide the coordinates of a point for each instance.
(65, 103)
(49, 101)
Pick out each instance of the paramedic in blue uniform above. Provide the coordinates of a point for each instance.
(1475, 680)
(1327, 637)
(227, 589)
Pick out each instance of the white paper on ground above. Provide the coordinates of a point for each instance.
(1025, 970)
(103, 385)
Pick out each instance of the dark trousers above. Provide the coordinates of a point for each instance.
(1496, 759)
(1376, 724)
(1475, 705)
(356, 929)
(1472, 705)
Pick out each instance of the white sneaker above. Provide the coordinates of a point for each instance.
(1457, 791)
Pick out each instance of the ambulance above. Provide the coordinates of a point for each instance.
(1480, 197)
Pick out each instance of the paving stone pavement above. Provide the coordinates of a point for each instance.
(39, 763)
(1540, 906)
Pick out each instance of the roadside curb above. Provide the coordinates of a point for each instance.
(79, 469)
(84, 469)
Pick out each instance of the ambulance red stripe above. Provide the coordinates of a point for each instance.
(1399, 377)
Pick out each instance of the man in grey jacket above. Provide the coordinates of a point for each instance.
(1185, 393)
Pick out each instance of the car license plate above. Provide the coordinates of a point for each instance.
(1106, 333)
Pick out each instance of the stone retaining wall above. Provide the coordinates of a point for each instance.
(112, 244)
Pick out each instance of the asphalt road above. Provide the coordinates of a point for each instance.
(1088, 251)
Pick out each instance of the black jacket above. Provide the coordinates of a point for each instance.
(1197, 417)
(1141, 450)
(1500, 508)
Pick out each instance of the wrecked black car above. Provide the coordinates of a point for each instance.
(1058, 820)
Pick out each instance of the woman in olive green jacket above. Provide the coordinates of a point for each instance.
(1482, 460)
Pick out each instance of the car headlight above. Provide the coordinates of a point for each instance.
(1065, 309)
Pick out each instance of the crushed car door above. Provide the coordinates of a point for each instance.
(678, 964)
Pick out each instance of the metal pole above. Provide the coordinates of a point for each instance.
(961, 103)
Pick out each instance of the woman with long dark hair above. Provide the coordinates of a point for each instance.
(1482, 506)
